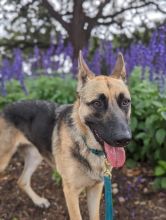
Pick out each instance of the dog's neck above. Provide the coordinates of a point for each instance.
(84, 132)
(83, 129)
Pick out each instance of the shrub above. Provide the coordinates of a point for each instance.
(148, 120)
(57, 89)
(160, 173)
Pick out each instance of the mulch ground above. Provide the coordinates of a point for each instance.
(133, 196)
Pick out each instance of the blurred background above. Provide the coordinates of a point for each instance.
(39, 45)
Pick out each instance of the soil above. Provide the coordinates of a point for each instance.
(133, 196)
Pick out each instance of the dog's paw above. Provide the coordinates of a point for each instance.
(42, 203)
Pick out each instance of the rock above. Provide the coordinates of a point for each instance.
(121, 199)
(137, 202)
(142, 203)
(114, 185)
(115, 191)
(145, 190)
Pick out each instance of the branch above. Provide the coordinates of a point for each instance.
(159, 9)
(133, 7)
(108, 23)
(22, 11)
(101, 7)
(56, 15)
(92, 22)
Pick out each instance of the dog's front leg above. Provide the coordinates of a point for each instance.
(93, 200)
(72, 200)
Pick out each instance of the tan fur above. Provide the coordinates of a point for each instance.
(65, 139)
(10, 138)
(75, 178)
(32, 159)
(71, 169)
(109, 86)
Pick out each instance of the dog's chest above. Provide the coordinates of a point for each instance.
(97, 164)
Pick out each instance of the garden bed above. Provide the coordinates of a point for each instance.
(133, 196)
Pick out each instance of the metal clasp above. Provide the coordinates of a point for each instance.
(107, 168)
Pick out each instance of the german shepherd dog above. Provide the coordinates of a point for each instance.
(69, 136)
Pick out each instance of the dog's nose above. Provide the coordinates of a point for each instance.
(123, 140)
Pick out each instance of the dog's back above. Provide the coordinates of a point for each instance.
(35, 119)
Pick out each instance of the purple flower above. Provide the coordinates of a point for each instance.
(101, 59)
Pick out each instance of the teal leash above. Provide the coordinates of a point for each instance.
(107, 183)
(108, 198)
(108, 191)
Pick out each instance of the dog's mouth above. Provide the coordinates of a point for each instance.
(115, 155)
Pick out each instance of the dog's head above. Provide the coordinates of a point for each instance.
(105, 104)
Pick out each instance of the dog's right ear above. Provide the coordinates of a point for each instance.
(84, 73)
(119, 71)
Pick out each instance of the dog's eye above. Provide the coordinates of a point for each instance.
(97, 104)
(125, 102)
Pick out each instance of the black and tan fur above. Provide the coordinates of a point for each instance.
(43, 130)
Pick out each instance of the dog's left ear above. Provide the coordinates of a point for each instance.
(119, 71)
(84, 73)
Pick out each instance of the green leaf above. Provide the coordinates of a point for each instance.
(157, 154)
(144, 150)
(162, 163)
(160, 136)
(131, 147)
(159, 171)
(147, 142)
(157, 183)
(130, 163)
(163, 114)
(140, 135)
(56, 176)
(134, 123)
(150, 120)
(163, 182)
(157, 104)
(141, 125)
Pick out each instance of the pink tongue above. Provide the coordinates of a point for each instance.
(115, 155)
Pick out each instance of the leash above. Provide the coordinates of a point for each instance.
(107, 182)
(108, 191)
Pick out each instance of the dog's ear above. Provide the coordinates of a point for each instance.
(119, 71)
(84, 73)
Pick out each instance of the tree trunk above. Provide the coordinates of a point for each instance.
(77, 34)
(79, 40)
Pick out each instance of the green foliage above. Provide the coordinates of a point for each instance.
(57, 89)
(14, 92)
(56, 177)
(148, 120)
(148, 124)
(160, 173)
(44, 88)
(130, 163)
